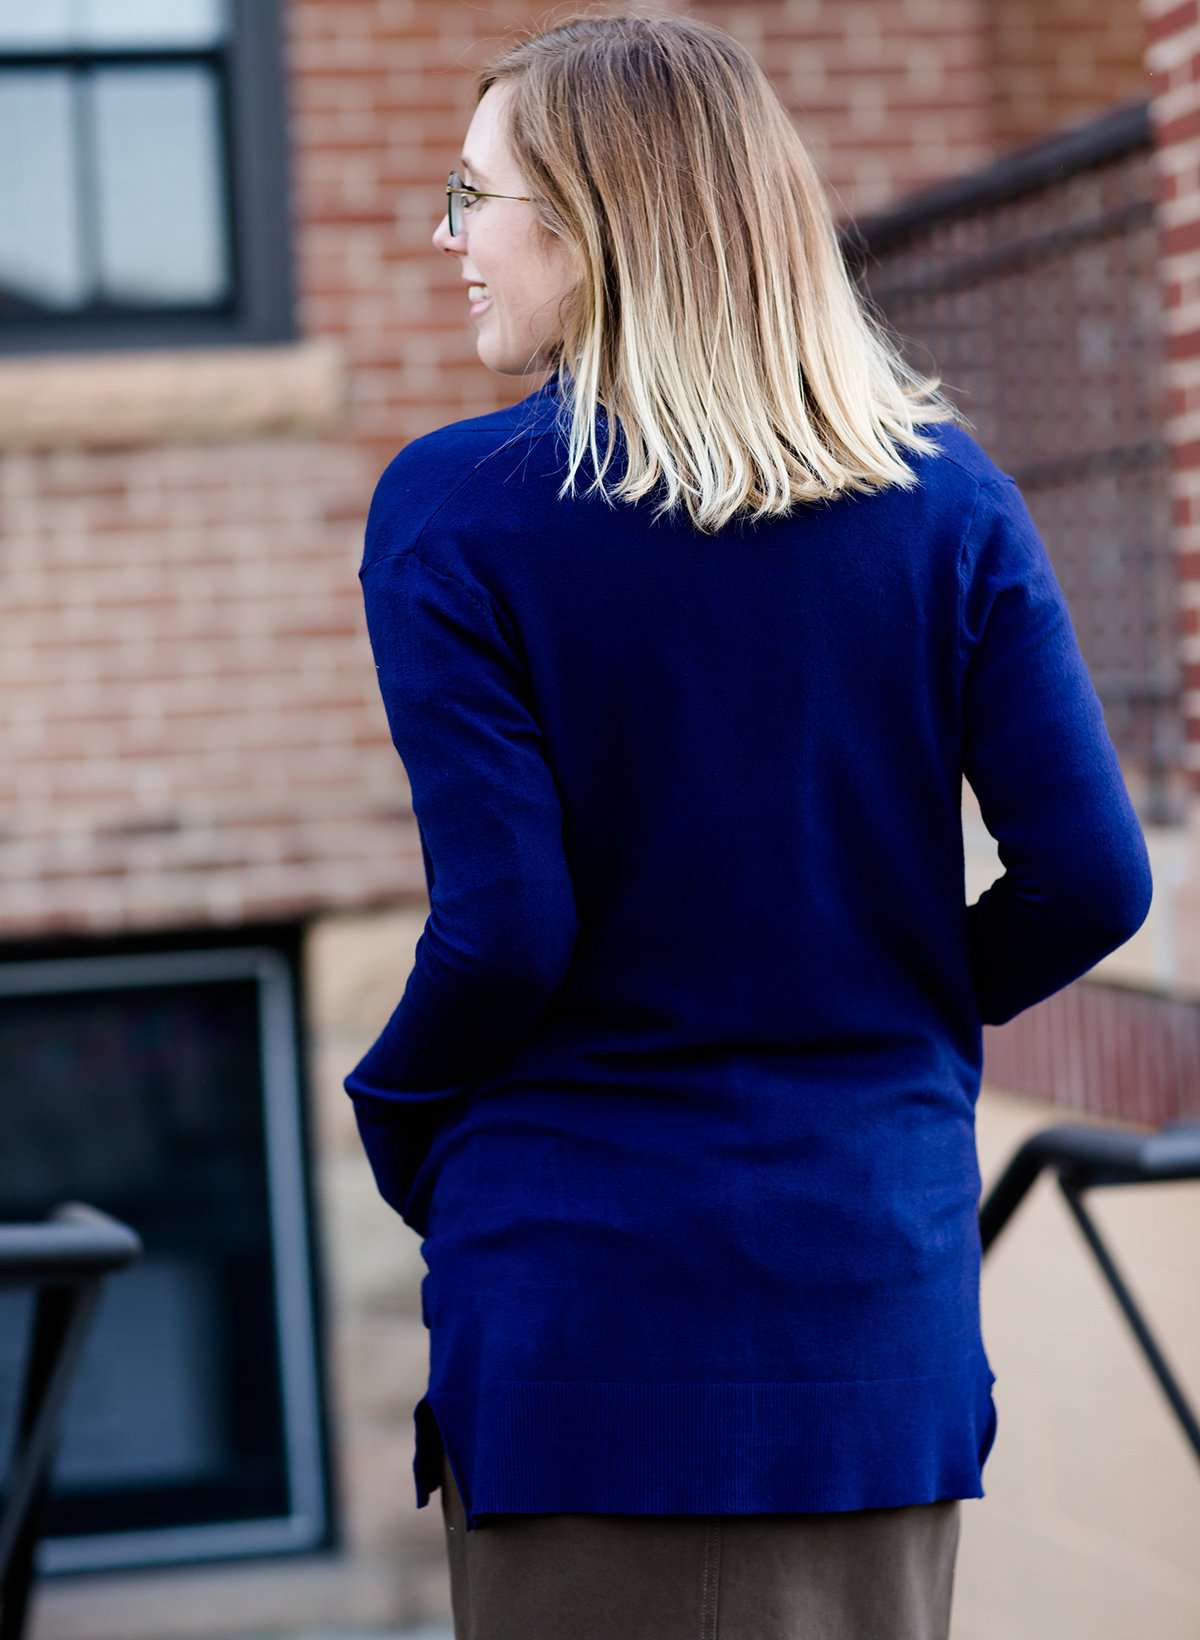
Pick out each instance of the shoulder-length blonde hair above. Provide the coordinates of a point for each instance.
(713, 317)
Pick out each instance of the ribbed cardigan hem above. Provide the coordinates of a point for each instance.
(565, 1447)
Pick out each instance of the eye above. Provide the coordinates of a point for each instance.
(469, 198)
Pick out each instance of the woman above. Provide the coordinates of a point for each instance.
(680, 1092)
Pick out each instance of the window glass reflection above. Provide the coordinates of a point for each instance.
(150, 22)
(52, 25)
(158, 186)
(41, 27)
(41, 254)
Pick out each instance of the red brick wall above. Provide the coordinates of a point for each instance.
(194, 732)
(1057, 62)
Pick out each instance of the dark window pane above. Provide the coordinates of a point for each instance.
(159, 204)
(41, 255)
(161, 1087)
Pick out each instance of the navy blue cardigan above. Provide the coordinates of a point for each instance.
(680, 1092)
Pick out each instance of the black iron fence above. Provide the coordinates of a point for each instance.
(1032, 288)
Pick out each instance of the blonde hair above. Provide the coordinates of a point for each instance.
(713, 317)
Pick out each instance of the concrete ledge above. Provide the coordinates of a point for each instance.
(159, 397)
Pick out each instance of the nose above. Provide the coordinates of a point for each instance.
(444, 239)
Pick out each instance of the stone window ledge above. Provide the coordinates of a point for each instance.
(166, 397)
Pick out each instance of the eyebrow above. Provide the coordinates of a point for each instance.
(466, 163)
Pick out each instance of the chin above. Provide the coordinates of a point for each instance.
(503, 366)
(527, 361)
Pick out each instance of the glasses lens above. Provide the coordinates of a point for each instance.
(454, 204)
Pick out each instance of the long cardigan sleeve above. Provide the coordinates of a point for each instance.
(502, 924)
(1038, 756)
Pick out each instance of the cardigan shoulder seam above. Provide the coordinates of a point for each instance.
(449, 495)
(981, 484)
(451, 491)
(410, 554)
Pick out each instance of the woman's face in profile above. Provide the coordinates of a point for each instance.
(497, 247)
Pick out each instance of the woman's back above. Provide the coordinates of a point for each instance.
(681, 1091)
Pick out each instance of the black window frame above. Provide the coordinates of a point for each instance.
(273, 1488)
(254, 132)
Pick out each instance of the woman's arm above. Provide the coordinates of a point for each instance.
(1039, 758)
(502, 924)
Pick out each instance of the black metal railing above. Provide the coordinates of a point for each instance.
(1033, 289)
(1086, 1157)
(64, 1260)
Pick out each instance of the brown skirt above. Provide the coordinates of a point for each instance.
(854, 1575)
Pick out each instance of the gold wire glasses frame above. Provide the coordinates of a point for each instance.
(456, 190)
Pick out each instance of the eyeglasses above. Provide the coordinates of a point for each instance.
(459, 197)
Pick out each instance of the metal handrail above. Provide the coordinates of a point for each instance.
(1045, 162)
(65, 1259)
(1087, 1157)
